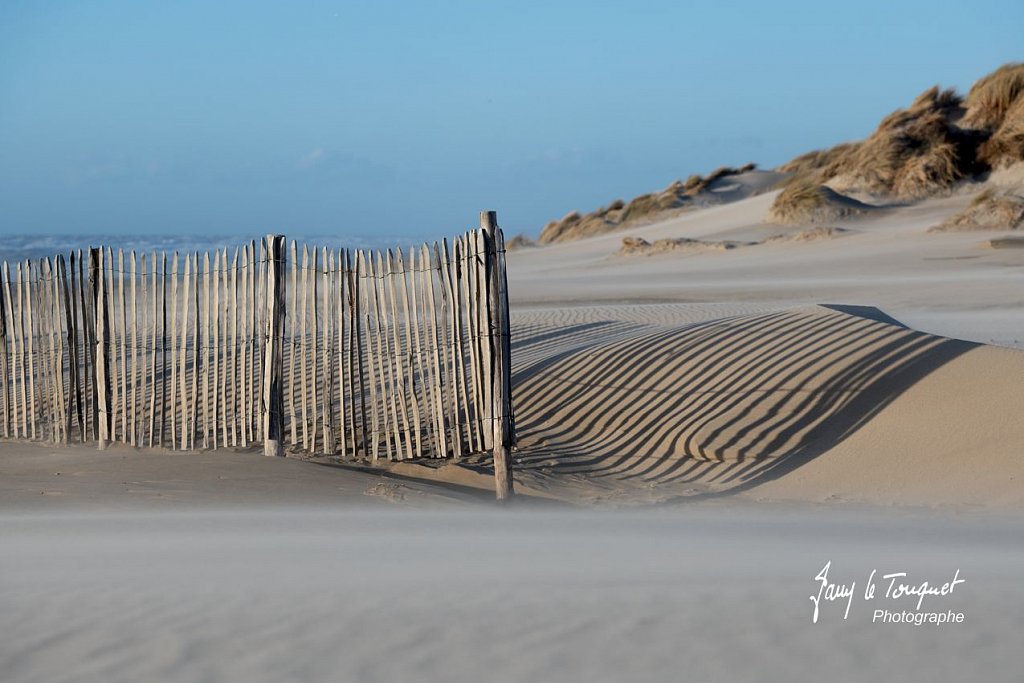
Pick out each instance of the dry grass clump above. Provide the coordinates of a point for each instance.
(992, 96)
(913, 153)
(988, 211)
(927, 148)
(1006, 146)
(816, 160)
(813, 203)
(639, 246)
(809, 235)
(696, 184)
(1006, 243)
(520, 241)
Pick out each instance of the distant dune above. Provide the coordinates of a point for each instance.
(721, 185)
(941, 141)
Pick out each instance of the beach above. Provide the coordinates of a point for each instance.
(698, 435)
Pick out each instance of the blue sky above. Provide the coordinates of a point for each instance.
(407, 118)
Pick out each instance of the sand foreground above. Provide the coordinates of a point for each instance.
(381, 594)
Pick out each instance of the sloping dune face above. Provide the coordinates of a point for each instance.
(678, 404)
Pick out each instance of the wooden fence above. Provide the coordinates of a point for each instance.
(363, 354)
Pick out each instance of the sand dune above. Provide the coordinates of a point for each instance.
(944, 283)
(666, 407)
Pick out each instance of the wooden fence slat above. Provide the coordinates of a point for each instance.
(57, 332)
(231, 382)
(78, 343)
(262, 294)
(98, 261)
(241, 375)
(345, 381)
(153, 342)
(435, 363)
(123, 346)
(313, 276)
(225, 349)
(32, 358)
(484, 348)
(401, 376)
(5, 375)
(44, 327)
(293, 314)
(388, 357)
(472, 340)
(162, 296)
(203, 346)
(23, 402)
(216, 402)
(458, 368)
(14, 342)
(182, 352)
(303, 350)
(57, 353)
(197, 341)
(412, 343)
(68, 340)
(500, 395)
(133, 396)
(273, 391)
(248, 378)
(356, 346)
(375, 371)
(88, 321)
(485, 268)
(44, 359)
(174, 352)
(327, 355)
(348, 389)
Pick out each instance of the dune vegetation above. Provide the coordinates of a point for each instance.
(990, 210)
(619, 214)
(810, 202)
(925, 149)
(942, 139)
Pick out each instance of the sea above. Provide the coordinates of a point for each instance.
(14, 248)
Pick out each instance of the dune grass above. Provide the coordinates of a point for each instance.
(989, 210)
(644, 207)
(809, 202)
(992, 96)
(1006, 146)
(928, 148)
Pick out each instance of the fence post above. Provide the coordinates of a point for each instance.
(498, 329)
(4, 368)
(273, 358)
(101, 383)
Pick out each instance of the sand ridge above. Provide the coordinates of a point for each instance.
(663, 405)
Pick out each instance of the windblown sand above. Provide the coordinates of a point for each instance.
(760, 411)
(717, 592)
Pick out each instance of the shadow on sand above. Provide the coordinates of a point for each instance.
(726, 404)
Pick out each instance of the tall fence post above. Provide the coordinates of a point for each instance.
(501, 356)
(5, 374)
(101, 383)
(273, 358)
